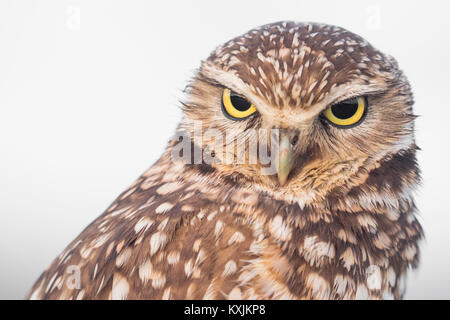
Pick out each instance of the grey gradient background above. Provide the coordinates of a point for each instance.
(88, 100)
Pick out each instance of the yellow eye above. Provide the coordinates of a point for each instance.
(235, 106)
(348, 113)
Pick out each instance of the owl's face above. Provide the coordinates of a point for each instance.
(334, 103)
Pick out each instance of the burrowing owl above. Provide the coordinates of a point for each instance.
(307, 191)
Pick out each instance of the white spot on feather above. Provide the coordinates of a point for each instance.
(164, 207)
(362, 293)
(157, 241)
(158, 280)
(279, 229)
(80, 295)
(173, 257)
(196, 245)
(145, 271)
(390, 276)
(319, 286)
(166, 294)
(188, 268)
(120, 287)
(315, 251)
(219, 228)
(230, 268)
(409, 253)
(237, 237)
(168, 188)
(123, 257)
(373, 277)
(143, 224)
(235, 294)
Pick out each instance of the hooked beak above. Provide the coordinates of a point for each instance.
(285, 159)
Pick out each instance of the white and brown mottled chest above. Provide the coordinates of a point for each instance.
(302, 254)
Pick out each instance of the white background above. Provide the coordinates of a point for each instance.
(88, 100)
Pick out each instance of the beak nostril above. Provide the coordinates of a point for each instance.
(294, 140)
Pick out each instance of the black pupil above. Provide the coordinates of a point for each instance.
(345, 110)
(239, 103)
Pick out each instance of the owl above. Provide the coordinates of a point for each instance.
(290, 176)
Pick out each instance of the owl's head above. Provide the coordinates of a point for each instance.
(327, 105)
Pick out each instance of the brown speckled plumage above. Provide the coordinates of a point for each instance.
(200, 231)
